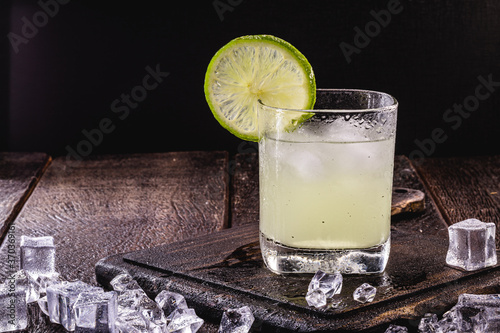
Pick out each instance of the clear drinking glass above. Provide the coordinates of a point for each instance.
(326, 184)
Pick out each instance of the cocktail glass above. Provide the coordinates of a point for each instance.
(326, 183)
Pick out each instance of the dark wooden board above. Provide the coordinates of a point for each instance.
(225, 269)
(112, 204)
(465, 188)
(19, 173)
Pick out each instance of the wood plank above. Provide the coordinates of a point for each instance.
(112, 204)
(225, 269)
(245, 190)
(19, 174)
(465, 187)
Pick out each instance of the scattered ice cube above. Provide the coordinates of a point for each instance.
(26, 283)
(152, 312)
(316, 298)
(60, 299)
(130, 298)
(478, 300)
(37, 255)
(470, 319)
(96, 312)
(42, 303)
(135, 308)
(364, 293)
(124, 282)
(183, 320)
(130, 321)
(43, 281)
(449, 322)
(428, 323)
(335, 302)
(396, 329)
(236, 320)
(329, 284)
(488, 303)
(169, 301)
(13, 307)
(471, 245)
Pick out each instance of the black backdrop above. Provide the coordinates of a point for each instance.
(67, 68)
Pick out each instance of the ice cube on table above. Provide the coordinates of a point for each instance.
(42, 303)
(13, 307)
(449, 322)
(96, 312)
(169, 301)
(183, 320)
(471, 245)
(60, 300)
(124, 282)
(25, 282)
(130, 321)
(43, 281)
(364, 293)
(470, 319)
(37, 255)
(488, 303)
(329, 283)
(236, 320)
(152, 312)
(396, 329)
(130, 298)
(428, 323)
(316, 298)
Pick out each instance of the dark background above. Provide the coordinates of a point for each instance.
(64, 79)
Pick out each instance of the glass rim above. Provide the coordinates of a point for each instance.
(387, 108)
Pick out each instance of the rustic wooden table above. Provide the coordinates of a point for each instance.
(110, 205)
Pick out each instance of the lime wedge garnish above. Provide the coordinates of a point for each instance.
(253, 68)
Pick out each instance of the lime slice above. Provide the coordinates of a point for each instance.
(253, 68)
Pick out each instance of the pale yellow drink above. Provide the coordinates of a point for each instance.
(326, 195)
(326, 183)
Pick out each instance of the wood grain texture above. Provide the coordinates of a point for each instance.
(245, 190)
(465, 187)
(19, 173)
(112, 204)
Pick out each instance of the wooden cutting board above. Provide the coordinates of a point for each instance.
(225, 270)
